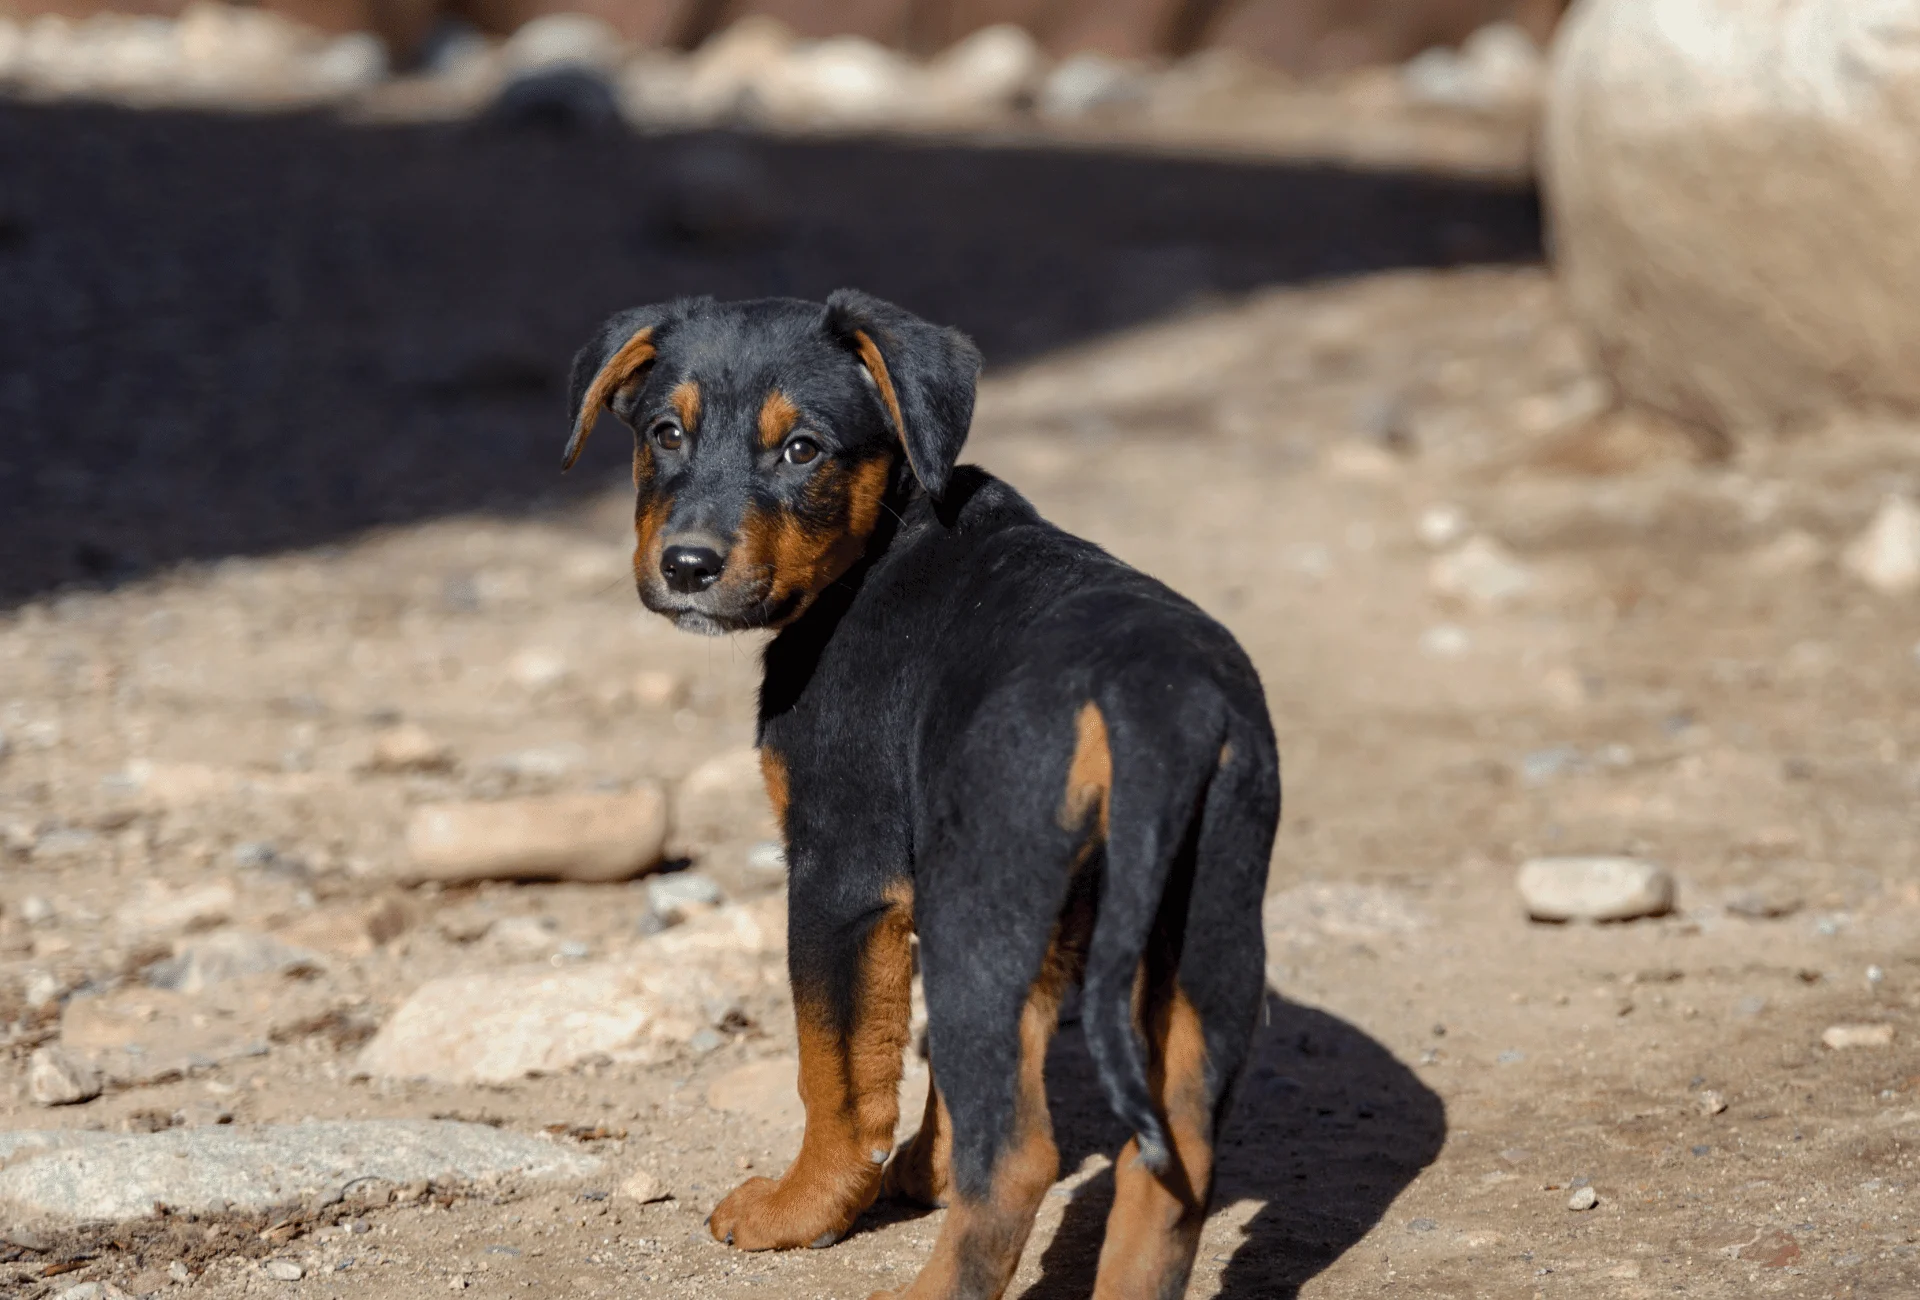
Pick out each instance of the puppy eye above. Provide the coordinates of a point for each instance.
(668, 436)
(801, 451)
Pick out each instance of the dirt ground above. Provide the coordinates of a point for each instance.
(1436, 1076)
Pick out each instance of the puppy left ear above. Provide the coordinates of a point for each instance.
(621, 352)
(924, 374)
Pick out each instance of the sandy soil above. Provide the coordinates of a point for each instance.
(1437, 1074)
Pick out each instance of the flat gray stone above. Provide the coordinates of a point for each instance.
(90, 1176)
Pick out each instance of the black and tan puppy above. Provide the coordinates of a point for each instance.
(977, 729)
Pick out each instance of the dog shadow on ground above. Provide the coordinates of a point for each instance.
(1328, 1129)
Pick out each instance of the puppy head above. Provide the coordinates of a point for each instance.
(768, 437)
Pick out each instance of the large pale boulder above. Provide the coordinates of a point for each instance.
(1734, 190)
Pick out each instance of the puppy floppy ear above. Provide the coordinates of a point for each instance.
(621, 352)
(924, 375)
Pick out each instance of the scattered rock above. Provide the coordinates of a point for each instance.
(728, 73)
(1794, 551)
(1358, 461)
(766, 862)
(166, 786)
(1773, 1248)
(765, 1089)
(93, 1291)
(66, 842)
(504, 1025)
(69, 1176)
(675, 897)
(283, 1270)
(1498, 68)
(1442, 525)
(1765, 902)
(537, 670)
(1887, 555)
(37, 911)
(723, 799)
(1584, 1198)
(18, 836)
(1445, 641)
(542, 762)
(1665, 125)
(55, 1078)
(1088, 82)
(1846, 1037)
(994, 69)
(408, 748)
(1594, 889)
(586, 837)
(845, 80)
(524, 936)
(1711, 1102)
(643, 1188)
(354, 931)
(194, 909)
(556, 40)
(1482, 573)
(199, 964)
(657, 689)
(136, 1035)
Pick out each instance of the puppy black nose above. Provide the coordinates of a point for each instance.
(691, 568)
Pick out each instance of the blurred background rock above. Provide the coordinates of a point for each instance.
(1207, 66)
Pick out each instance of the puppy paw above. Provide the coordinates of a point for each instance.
(762, 1214)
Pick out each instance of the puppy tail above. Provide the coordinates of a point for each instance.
(1159, 783)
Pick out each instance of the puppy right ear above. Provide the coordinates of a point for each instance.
(622, 351)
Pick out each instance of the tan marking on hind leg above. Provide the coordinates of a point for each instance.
(1153, 1230)
(922, 1170)
(980, 1242)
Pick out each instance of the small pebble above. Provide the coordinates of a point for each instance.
(408, 748)
(1842, 1038)
(179, 1272)
(1441, 525)
(55, 1078)
(1886, 556)
(643, 1187)
(656, 689)
(1712, 1103)
(683, 892)
(283, 1270)
(1583, 1199)
(1483, 573)
(537, 670)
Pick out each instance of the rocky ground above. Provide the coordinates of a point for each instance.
(1496, 622)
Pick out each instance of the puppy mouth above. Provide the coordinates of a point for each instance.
(692, 620)
(717, 612)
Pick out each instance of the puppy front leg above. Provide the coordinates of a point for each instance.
(851, 981)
